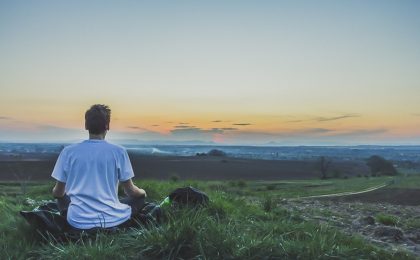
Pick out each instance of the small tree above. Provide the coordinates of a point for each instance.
(20, 174)
(324, 165)
(216, 152)
(378, 165)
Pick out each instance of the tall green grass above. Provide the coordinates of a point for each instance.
(231, 227)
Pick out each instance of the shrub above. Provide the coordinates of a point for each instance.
(379, 165)
(388, 220)
(270, 187)
(268, 204)
(216, 152)
(241, 183)
(174, 178)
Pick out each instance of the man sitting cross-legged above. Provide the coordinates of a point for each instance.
(88, 174)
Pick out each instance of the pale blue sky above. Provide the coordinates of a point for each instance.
(270, 63)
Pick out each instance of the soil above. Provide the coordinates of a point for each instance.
(358, 215)
(396, 196)
(194, 167)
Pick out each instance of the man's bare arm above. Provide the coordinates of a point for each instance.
(59, 189)
(132, 190)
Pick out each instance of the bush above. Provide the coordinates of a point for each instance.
(241, 183)
(268, 204)
(379, 165)
(216, 152)
(270, 187)
(388, 220)
(174, 178)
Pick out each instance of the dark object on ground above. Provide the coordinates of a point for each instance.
(188, 196)
(369, 220)
(364, 221)
(379, 165)
(47, 217)
(215, 152)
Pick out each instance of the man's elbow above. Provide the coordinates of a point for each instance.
(57, 193)
(135, 192)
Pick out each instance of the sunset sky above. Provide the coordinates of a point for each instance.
(230, 72)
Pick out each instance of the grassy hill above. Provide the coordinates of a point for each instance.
(243, 221)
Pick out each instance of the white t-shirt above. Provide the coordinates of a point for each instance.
(91, 170)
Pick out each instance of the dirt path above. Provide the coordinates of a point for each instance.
(346, 193)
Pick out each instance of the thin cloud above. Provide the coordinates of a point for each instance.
(296, 121)
(183, 123)
(195, 130)
(5, 118)
(242, 124)
(184, 126)
(220, 121)
(324, 119)
(155, 125)
(225, 129)
(314, 131)
(137, 128)
(415, 114)
(229, 128)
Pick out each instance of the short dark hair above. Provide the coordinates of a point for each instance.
(97, 119)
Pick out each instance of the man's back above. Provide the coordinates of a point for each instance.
(91, 171)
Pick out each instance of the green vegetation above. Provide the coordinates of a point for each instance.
(413, 222)
(388, 220)
(380, 166)
(241, 222)
(407, 182)
(174, 177)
